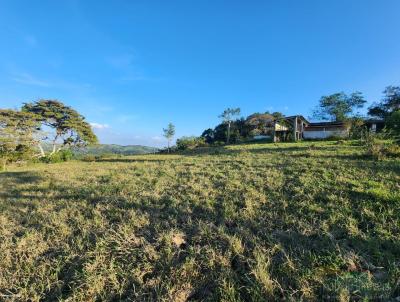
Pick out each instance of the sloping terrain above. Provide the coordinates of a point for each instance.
(116, 149)
(101, 149)
(251, 222)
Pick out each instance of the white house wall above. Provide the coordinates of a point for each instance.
(279, 127)
(258, 137)
(321, 134)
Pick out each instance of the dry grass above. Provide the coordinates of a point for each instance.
(253, 222)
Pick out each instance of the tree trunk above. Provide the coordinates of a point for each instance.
(295, 129)
(168, 146)
(54, 148)
(229, 133)
(42, 154)
(54, 145)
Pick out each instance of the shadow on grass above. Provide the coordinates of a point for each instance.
(194, 219)
(14, 178)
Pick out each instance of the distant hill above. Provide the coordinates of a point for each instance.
(109, 149)
(115, 149)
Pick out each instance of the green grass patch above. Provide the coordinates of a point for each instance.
(250, 222)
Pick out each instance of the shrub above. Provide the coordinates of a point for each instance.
(59, 157)
(335, 138)
(357, 128)
(371, 144)
(190, 142)
(89, 158)
(219, 143)
(378, 146)
(393, 150)
(165, 150)
(393, 125)
(10, 153)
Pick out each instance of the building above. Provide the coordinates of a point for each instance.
(374, 125)
(326, 130)
(290, 128)
(297, 127)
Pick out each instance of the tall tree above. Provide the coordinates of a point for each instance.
(208, 135)
(220, 133)
(393, 124)
(389, 104)
(260, 123)
(228, 117)
(169, 133)
(67, 126)
(338, 106)
(278, 115)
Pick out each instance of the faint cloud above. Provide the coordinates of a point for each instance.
(105, 108)
(125, 118)
(72, 85)
(157, 138)
(120, 61)
(125, 64)
(99, 126)
(286, 108)
(28, 79)
(31, 40)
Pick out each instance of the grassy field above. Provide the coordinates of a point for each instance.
(257, 222)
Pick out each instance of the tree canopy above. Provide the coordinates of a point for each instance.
(243, 128)
(260, 123)
(393, 124)
(41, 122)
(169, 133)
(339, 106)
(229, 114)
(17, 134)
(227, 118)
(208, 135)
(67, 125)
(389, 103)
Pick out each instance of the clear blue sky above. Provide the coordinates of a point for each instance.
(133, 66)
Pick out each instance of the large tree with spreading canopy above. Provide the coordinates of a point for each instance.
(61, 125)
(338, 107)
(388, 105)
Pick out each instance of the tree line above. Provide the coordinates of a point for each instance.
(48, 128)
(337, 107)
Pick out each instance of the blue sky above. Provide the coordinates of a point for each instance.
(131, 67)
